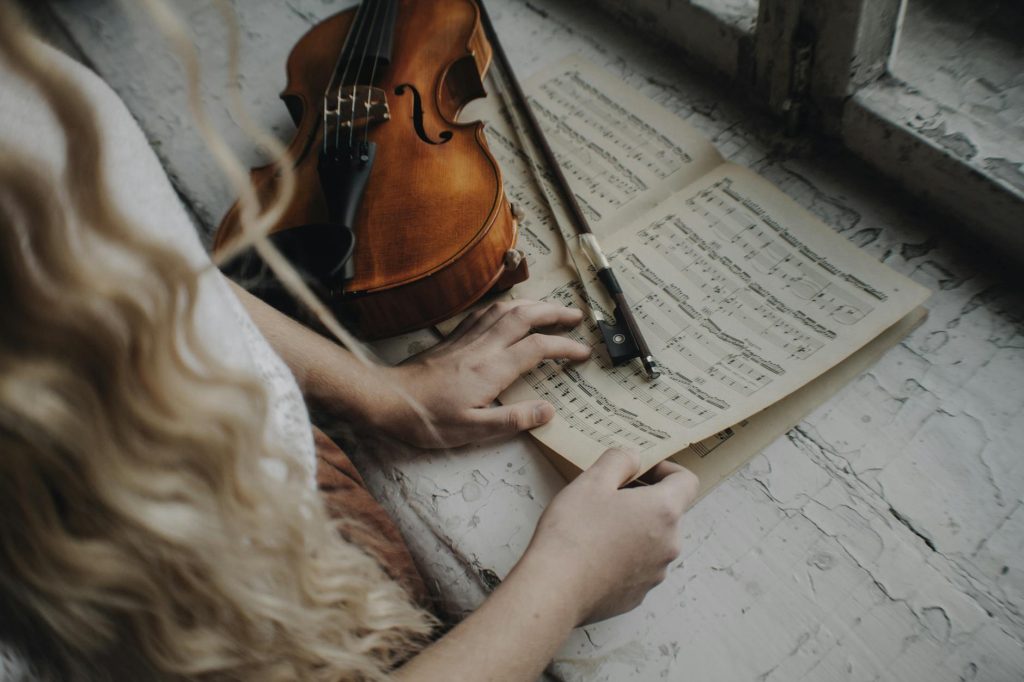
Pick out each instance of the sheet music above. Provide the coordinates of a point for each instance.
(743, 297)
(622, 154)
(715, 458)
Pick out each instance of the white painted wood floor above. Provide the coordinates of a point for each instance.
(883, 538)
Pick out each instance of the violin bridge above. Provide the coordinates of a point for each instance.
(359, 106)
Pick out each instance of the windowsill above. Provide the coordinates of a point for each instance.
(946, 157)
(967, 57)
(949, 122)
(955, 137)
(711, 31)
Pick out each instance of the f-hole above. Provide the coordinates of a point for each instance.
(417, 116)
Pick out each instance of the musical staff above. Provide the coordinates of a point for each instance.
(589, 412)
(658, 151)
(772, 250)
(715, 323)
(708, 445)
(742, 298)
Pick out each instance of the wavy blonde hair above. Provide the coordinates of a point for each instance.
(139, 534)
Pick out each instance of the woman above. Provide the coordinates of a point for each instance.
(159, 517)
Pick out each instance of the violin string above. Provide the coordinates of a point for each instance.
(360, 39)
(388, 5)
(344, 56)
(362, 60)
(346, 46)
(351, 44)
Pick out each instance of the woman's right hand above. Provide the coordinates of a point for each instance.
(610, 545)
(598, 549)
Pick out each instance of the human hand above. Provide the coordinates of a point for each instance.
(611, 544)
(457, 380)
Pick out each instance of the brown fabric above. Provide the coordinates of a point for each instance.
(345, 496)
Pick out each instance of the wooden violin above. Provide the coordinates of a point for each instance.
(399, 219)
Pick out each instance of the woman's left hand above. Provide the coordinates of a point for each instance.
(457, 381)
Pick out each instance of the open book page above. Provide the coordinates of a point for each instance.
(743, 296)
(621, 152)
(715, 458)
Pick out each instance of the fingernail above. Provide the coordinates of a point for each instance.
(540, 414)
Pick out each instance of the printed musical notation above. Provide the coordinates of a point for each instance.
(615, 158)
(742, 295)
(705, 447)
(539, 239)
(720, 284)
(772, 250)
(632, 134)
(589, 411)
(728, 308)
(568, 392)
(688, 410)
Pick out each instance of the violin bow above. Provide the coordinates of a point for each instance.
(622, 336)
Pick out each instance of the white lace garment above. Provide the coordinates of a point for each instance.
(144, 193)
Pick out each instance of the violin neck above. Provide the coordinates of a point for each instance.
(368, 46)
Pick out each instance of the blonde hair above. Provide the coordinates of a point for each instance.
(139, 533)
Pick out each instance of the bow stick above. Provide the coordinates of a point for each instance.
(622, 336)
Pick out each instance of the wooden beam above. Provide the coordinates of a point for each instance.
(811, 55)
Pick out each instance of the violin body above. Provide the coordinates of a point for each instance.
(433, 230)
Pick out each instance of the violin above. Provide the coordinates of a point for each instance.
(399, 219)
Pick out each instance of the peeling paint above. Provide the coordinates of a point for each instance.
(882, 538)
(957, 142)
(1008, 171)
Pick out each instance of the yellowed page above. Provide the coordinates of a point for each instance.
(714, 459)
(621, 152)
(743, 296)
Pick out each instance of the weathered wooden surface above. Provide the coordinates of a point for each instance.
(881, 539)
(943, 119)
(949, 122)
(715, 32)
(970, 58)
(844, 44)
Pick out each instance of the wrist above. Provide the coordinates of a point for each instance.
(385, 403)
(342, 388)
(555, 584)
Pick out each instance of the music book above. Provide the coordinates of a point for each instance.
(755, 309)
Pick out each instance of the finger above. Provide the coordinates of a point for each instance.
(527, 353)
(614, 468)
(489, 316)
(661, 470)
(482, 319)
(519, 322)
(506, 420)
(465, 324)
(681, 487)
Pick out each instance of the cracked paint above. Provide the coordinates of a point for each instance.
(881, 539)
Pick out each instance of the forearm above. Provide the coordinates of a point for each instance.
(511, 637)
(330, 377)
(441, 397)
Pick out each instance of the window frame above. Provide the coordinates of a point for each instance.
(823, 67)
